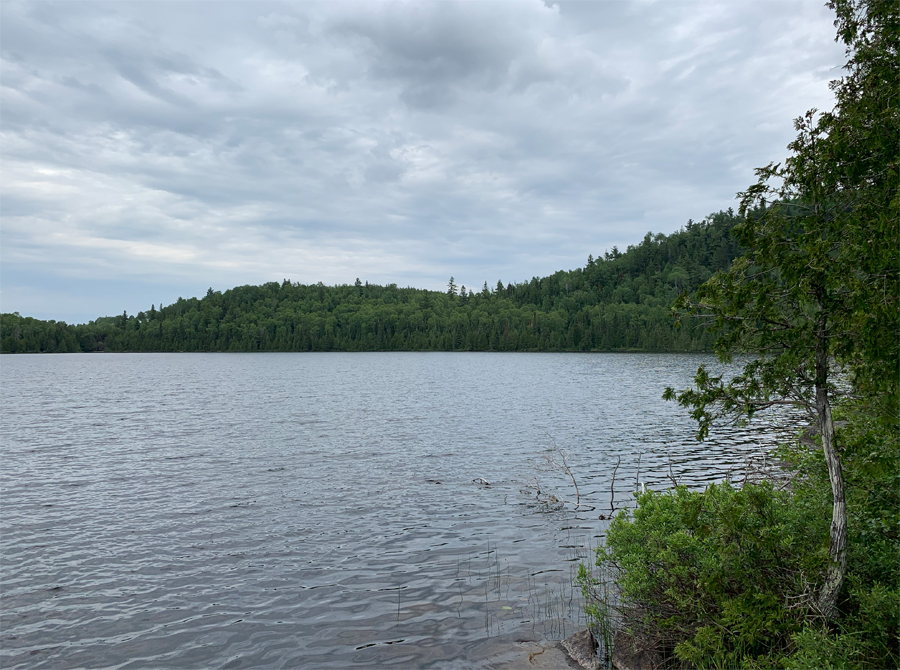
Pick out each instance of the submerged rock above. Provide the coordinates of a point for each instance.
(533, 655)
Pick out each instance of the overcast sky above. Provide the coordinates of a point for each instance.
(152, 150)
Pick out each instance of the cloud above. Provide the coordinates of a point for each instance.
(168, 147)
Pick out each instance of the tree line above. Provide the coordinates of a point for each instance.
(620, 301)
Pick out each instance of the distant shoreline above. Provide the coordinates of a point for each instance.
(375, 351)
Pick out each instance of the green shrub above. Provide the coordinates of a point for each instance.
(717, 578)
(865, 638)
(726, 578)
(866, 633)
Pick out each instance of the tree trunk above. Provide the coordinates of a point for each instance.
(837, 568)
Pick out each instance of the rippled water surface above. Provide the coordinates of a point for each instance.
(318, 510)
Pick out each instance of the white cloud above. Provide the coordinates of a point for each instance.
(174, 146)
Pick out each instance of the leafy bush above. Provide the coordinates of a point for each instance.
(724, 578)
(717, 578)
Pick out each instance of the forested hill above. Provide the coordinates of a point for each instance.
(619, 302)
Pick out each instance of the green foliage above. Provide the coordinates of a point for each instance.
(728, 578)
(617, 303)
(717, 578)
(25, 335)
(822, 234)
(859, 160)
(817, 291)
(865, 635)
(725, 577)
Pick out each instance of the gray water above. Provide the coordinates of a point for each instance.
(319, 510)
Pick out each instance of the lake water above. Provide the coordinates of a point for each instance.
(319, 510)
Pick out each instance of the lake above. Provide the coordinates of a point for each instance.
(321, 510)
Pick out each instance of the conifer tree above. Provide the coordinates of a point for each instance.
(816, 292)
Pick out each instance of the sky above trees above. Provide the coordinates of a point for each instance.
(151, 150)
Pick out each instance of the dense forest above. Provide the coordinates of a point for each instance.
(617, 302)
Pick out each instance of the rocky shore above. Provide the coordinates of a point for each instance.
(579, 651)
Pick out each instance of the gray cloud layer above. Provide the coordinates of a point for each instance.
(150, 150)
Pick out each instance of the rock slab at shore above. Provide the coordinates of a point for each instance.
(577, 652)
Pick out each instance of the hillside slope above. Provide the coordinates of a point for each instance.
(615, 303)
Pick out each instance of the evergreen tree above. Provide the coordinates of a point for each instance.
(810, 292)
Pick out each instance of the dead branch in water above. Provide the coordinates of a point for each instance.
(557, 459)
(612, 487)
(671, 474)
(637, 477)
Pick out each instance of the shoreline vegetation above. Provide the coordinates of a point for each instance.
(619, 302)
(803, 573)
